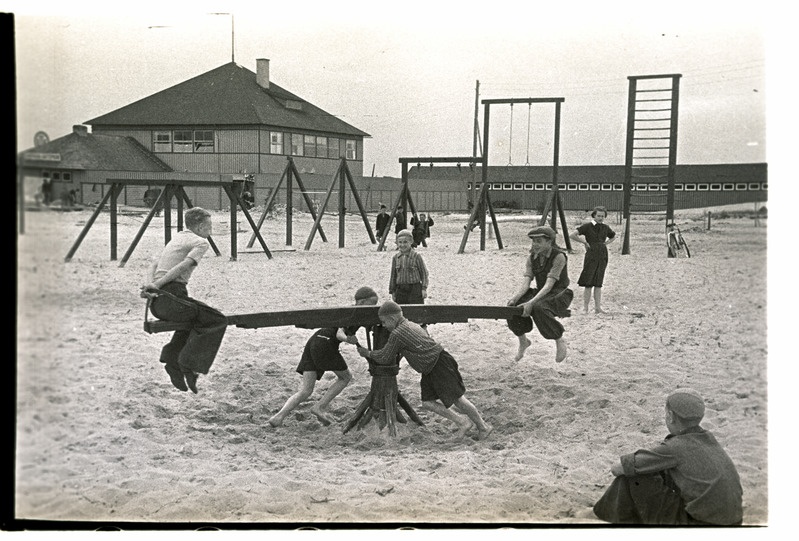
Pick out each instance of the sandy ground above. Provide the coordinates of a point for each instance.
(103, 436)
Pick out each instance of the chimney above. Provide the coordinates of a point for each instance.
(80, 129)
(262, 75)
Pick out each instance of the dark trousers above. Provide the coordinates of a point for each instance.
(195, 349)
(543, 314)
(644, 499)
(408, 294)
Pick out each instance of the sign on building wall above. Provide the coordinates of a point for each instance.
(42, 157)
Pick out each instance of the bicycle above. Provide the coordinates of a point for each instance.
(675, 241)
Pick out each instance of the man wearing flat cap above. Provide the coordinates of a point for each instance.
(549, 299)
(687, 480)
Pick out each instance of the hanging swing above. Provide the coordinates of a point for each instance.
(529, 110)
(510, 141)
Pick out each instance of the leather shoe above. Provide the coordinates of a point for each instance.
(191, 381)
(176, 376)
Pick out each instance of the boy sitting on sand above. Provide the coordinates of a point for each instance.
(687, 480)
(441, 379)
(321, 353)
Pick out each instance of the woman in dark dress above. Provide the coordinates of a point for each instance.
(596, 235)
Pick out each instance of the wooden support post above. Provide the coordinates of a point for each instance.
(88, 225)
(143, 227)
(307, 199)
(357, 197)
(268, 204)
(381, 402)
(115, 190)
(401, 201)
(317, 223)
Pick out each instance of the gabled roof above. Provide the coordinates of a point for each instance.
(95, 152)
(226, 96)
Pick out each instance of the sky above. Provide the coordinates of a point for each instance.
(408, 74)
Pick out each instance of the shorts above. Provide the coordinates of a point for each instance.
(321, 354)
(443, 382)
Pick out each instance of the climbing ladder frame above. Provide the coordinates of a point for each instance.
(651, 150)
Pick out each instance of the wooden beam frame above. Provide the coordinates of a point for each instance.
(317, 318)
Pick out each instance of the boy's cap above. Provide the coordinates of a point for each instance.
(404, 233)
(542, 231)
(365, 293)
(389, 307)
(382, 206)
(687, 404)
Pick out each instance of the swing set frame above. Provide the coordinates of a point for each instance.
(554, 203)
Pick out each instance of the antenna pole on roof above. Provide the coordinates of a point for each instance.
(232, 35)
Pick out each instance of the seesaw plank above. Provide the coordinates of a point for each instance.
(348, 316)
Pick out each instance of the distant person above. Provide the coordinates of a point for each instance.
(551, 297)
(151, 197)
(442, 386)
(596, 237)
(190, 353)
(47, 191)
(421, 229)
(321, 354)
(381, 223)
(687, 480)
(401, 220)
(409, 279)
(248, 199)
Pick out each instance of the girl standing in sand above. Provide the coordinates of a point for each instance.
(596, 237)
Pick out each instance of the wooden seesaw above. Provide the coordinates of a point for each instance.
(383, 397)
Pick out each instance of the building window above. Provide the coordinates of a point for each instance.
(539, 186)
(507, 186)
(715, 187)
(351, 150)
(607, 187)
(203, 141)
(618, 187)
(162, 141)
(67, 177)
(56, 175)
(595, 187)
(728, 187)
(654, 187)
(183, 141)
(496, 186)
(703, 187)
(741, 187)
(571, 187)
(754, 186)
(582, 187)
(764, 186)
(690, 187)
(678, 187)
(310, 145)
(275, 142)
(333, 148)
(296, 144)
(321, 147)
(528, 186)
